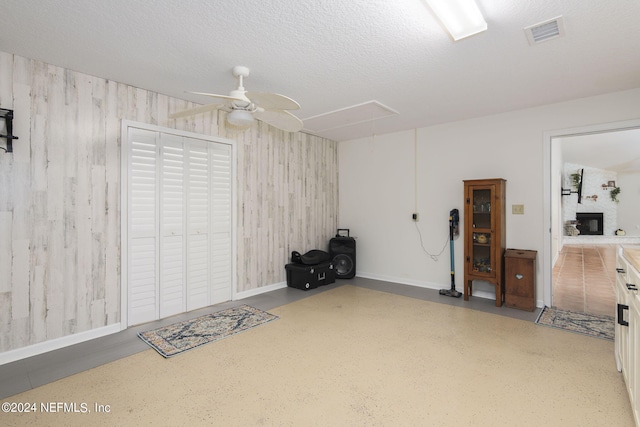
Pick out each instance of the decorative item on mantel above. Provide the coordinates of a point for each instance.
(593, 198)
(620, 232)
(7, 115)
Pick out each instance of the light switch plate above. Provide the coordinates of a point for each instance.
(517, 209)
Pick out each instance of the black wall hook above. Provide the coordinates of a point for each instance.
(7, 115)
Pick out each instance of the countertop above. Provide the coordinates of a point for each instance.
(632, 254)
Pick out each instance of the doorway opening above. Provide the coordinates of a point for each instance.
(556, 239)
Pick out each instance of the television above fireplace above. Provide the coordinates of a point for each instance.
(590, 223)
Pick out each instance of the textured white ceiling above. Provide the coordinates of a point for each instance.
(617, 151)
(332, 54)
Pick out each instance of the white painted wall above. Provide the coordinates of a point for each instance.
(629, 206)
(377, 185)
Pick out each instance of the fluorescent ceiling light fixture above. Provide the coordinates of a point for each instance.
(462, 18)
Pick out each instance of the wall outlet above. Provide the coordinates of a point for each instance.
(414, 217)
(517, 209)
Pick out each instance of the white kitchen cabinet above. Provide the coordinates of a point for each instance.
(627, 328)
(621, 330)
(633, 376)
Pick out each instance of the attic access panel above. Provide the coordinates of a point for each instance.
(348, 116)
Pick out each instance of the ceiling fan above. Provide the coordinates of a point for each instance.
(244, 106)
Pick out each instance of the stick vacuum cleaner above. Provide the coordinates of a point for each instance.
(454, 220)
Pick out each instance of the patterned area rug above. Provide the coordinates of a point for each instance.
(189, 334)
(587, 324)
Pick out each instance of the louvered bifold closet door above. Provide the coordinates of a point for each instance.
(172, 226)
(142, 227)
(198, 224)
(179, 224)
(221, 222)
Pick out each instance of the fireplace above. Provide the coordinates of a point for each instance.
(590, 223)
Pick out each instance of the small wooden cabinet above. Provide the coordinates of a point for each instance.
(520, 279)
(484, 234)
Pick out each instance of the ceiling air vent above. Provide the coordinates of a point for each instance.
(544, 31)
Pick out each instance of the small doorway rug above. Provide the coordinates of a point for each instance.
(587, 324)
(189, 334)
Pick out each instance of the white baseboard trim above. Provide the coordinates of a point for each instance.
(400, 280)
(258, 291)
(430, 285)
(57, 343)
(423, 284)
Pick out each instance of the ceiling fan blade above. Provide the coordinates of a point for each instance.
(215, 95)
(272, 101)
(280, 119)
(196, 110)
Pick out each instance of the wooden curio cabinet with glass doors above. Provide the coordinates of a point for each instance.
(484, 234)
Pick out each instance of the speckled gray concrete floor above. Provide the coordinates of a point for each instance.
(357, 356)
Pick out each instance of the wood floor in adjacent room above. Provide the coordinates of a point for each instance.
(584, 279)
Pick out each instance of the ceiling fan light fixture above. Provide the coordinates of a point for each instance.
(243, 107)
(240, 118)
(461, 18)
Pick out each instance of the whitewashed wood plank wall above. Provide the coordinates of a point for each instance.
(289, 200)
(60, 197)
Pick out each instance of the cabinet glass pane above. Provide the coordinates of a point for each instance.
(482, 258)
(481, 248)
(482, 209)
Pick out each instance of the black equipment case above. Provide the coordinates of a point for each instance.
(306, 277)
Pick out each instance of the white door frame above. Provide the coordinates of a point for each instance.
(124, 204)
(548, 191)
